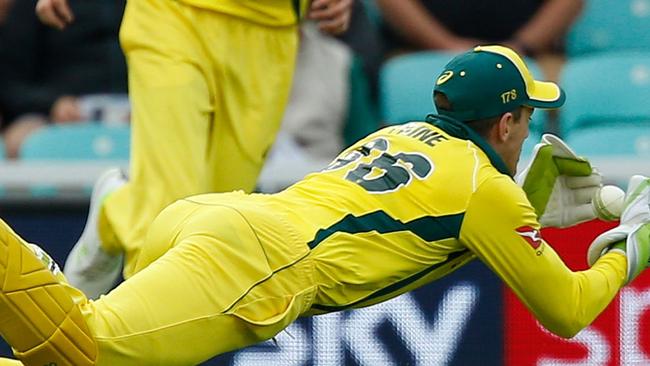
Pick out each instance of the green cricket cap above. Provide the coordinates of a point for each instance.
(491, 80)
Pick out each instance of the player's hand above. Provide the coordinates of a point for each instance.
(332, 16)
(559, 184)
(55, 13)
(66, 109)
(632, 236)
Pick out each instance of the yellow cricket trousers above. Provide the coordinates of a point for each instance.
(208, 92)
(231, 277)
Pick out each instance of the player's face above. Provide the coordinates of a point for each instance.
(519, 130)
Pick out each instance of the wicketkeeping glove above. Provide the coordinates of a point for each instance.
(559, 184)
(632, 236)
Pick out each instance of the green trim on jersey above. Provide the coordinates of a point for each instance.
(300, 7)
(395, 287)
(462, 131)
(428, 228)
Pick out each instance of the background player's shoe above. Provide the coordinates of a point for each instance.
(38, 316)
(88, 267)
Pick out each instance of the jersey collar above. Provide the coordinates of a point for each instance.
(460, 130)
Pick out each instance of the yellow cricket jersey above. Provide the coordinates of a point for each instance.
(268, 12)
(412, 203)
(399, 209)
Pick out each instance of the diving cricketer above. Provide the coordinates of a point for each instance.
(401, 208)
(208, 84)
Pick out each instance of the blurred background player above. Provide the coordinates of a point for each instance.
(48, 76)
(532, 27)
(230, 270)
(331, 103)
(208, 84)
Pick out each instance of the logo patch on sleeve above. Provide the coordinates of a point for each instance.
(532, 236)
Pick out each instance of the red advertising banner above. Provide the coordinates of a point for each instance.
(619, 336)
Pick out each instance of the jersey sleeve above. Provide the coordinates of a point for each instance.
(501, 228)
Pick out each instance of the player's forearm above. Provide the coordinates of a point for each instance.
(562, 300)
(551, 21)
(413, 22)
(569, 305)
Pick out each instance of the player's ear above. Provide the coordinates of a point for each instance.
(503, 126)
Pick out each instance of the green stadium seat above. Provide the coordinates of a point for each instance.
(406, 83)
(362, 116)
(532, 140)
(605, 88)
(78, 142)
(613, 139)
(610, 25)
(373, 11)
(81, 141)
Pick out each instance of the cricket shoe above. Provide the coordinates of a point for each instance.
(38, 316)
(88, 266)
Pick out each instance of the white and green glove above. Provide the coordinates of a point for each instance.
(632, 236)
(559, 184)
